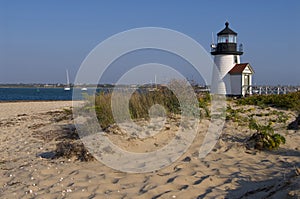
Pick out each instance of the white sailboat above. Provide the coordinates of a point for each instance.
(155, 88)
(67, 87)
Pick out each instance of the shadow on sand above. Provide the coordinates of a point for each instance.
(285, 186)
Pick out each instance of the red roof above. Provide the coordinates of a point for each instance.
(239, 68)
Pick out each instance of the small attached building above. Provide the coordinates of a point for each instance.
(241, 79)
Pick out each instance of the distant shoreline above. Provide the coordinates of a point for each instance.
(25, 101)
(54, 85)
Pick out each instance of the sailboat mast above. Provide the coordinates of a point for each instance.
(67, 87)
(68, 81)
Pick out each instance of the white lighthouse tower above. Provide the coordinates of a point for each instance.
(227, 59)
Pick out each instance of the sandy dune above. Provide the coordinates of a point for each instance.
(30, 130)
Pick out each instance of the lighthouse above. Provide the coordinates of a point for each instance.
(236, 76)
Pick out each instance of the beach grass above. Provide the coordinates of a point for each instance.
(139, 105)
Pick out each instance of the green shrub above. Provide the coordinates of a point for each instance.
(204, 102)
(264, 138)
(234, 115)
(286, 101)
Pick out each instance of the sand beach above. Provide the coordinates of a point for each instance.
(31, 131)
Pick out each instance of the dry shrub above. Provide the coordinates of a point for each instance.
(73, 150)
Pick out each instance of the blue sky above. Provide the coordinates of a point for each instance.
(40, 39)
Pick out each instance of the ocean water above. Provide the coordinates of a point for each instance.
(39, 94)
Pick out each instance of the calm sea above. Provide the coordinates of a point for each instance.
(38, 94)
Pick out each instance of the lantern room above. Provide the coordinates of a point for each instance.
(227, 42)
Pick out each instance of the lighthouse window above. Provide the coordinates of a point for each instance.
(222, 39)
(235, 59)
(232, 39)
(227, 39)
